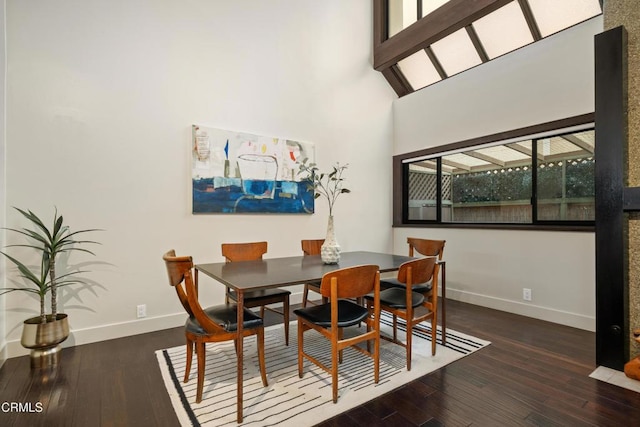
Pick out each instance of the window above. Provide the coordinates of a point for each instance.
(486, 187)
(546, 178)
(565, 185)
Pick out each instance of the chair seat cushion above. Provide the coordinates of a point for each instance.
(254, 296)
(422, 288)
(397, 298)
(349, 314)
(225, 316)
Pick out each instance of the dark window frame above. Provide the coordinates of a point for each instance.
(401, 190)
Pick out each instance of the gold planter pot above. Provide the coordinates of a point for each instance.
(44, 339)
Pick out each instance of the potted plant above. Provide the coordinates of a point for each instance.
(44, 333)
(331, 186)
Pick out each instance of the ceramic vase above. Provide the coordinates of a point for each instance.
(330, 250)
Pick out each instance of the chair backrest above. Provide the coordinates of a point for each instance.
(426, 247)
(419, 271)
(176, 269)
(244, 251)
(312, 247)
(352, 282)
(180, 277)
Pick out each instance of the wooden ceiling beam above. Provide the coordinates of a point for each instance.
(397, 81)
(436, 62)
(482, 53)
(447, 19)
(380, 22)
(531, 20)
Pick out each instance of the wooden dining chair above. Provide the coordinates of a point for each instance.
(331, 318)
(251, 252)
(213, 324)
(311, 247)
(424, 247)
(411, 306)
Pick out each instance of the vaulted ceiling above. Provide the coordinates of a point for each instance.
(421, 42)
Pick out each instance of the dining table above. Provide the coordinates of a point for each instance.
(247, 276)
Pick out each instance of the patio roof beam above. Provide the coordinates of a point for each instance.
(456, 165)
(524, 150)
(486, 158)
(579, 142)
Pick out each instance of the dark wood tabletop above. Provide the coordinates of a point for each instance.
(274, 272)
(245, 276)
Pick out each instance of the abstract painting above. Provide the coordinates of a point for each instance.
(234, 172)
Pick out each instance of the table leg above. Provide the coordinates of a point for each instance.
(443, 318)
(240, 350)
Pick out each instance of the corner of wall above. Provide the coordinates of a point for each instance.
(3, 86)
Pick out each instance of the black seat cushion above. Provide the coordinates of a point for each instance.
(349, 314)
(225, 316)
(397, 298)
(422, 288)
(260, 294)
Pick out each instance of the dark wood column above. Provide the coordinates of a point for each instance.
(612, 320)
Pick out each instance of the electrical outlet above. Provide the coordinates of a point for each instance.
(526, 294)
(142, 310)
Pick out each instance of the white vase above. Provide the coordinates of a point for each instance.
(330, 250)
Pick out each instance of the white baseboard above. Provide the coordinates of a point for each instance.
(114, 330)
(566, 318)
(108, 332)
(152, 324)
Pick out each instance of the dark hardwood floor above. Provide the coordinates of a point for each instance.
(534, 373)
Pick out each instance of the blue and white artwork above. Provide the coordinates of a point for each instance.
(234, 172)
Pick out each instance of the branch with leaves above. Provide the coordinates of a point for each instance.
(329, 185)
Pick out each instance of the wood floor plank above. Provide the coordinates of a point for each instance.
(477, 403)
(533, 373)
(362, 417)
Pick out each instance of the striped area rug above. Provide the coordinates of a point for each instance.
(289, 400)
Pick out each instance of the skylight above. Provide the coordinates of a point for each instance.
(503, 30)
(456, 53)
(419, 70)
(430, 40)
(553, 15)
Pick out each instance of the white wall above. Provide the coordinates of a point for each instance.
(101, 97)
(3, 321)
(550, 80)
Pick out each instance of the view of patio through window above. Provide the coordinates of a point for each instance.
(539, 180)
